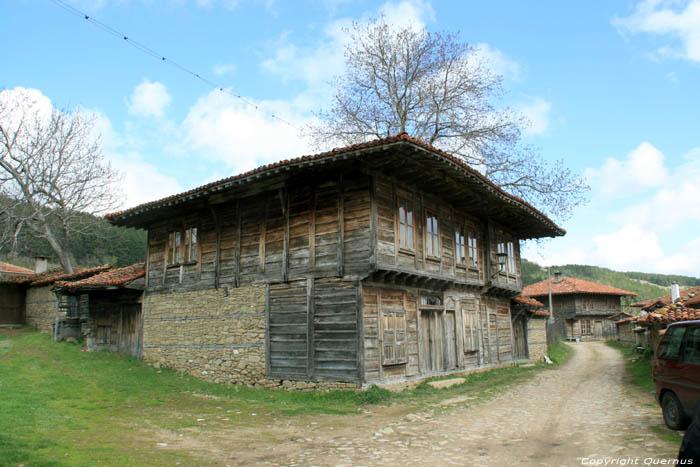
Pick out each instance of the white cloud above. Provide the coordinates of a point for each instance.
(408, 13)
(142, 181)
(496, 61)
(642, 169)
(537, 112)
(225, 129)
(221, 69)
(149, 99)
(677, 22)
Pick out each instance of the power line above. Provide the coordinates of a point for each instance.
(148, 51)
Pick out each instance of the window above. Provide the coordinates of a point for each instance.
(511, 258)
(394, 337)
(406, 225)
(509, 249)
(691, 348)
(460, 246)
(585, 327)
(180, 251)
(430, 300)
(432, 235)
(670, 346)
(473, 251)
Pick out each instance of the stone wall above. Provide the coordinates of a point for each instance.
(40, 308)
(537, 338)
(215, 335)
(625, 333)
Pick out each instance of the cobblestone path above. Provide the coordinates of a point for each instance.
(569, 416)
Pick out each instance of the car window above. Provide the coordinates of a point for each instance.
(670, 346)
(691, 348)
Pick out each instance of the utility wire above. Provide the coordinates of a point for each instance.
(148, 51)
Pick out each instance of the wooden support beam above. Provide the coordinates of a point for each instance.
(310, 349)
(374, 220)
(284, 199)
(217, 260)
(263, 228)
(312, 230)
(148, 255)
(237, 257)
(341, 228)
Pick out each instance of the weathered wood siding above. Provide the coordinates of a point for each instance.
(313, 330)
(391, 255)
(11, 304)
(466, 331)
(309, 229)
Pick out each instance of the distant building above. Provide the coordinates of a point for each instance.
(581, 309)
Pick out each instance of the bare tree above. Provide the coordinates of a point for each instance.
(436, 89)
(51, 172)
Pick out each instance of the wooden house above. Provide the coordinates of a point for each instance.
(376, 263)
(581, 309)
(104, 308)
(12, 294)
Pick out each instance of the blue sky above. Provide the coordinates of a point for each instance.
(610, 87)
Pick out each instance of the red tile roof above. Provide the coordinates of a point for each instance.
(399, 138)
(670, 314)
(112, 278)
(54, 275)
(7, 267)
(689, 296)
(534, 306)
(570, 285)
(627, 320)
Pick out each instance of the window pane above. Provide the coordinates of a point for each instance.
(193, 245)
(691, 352)
(402, 212)
(410, 243)
(403, 236)
(671, 344)
(177, 247)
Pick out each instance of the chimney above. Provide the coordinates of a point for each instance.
(41, 264)
(557, 277)
(675, 292)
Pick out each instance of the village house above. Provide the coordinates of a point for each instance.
(580, 309)
(376, 263)
(657, 313)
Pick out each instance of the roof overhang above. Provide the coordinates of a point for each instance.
(408, 160)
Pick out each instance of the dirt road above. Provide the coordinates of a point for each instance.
(570, 416)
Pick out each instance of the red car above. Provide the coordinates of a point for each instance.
(677, 373)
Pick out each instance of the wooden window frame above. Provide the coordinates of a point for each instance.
(472, 260)
(403, 245)
(181, 249)
(398, 334)
(585, 327)
(507, 245)
(429, 236)
(461, 248)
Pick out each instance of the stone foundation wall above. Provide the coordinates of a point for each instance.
(215, 335)
(40, 308)
(537, 338)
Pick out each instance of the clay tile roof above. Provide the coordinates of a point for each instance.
(627, 320)
(689, 296)
(669, 314)
(533, 305)
(120, 217)
(11, 268)
(570, 285)
(54, 275)
(117, 277)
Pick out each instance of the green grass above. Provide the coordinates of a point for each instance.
(60, 405)
(638, 365)
(559, 352)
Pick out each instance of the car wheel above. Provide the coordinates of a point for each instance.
(673, 412)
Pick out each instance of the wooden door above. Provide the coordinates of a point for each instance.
(450, 346)
(432, 342)
(598, 330)
(520, 350)
(129, 329)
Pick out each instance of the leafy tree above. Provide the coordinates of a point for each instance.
(52, 172)
(434, 87)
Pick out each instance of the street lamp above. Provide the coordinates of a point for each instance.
(501, 258)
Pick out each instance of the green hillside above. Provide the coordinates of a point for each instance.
(102, 244)
(646, 285)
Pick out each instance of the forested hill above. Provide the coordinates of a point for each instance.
(646, 285)
(105, 244)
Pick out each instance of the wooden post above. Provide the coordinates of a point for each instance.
(284, 199)
(310, 351)
(360, 331)
(217, 260)
(267, 329)
(263, 227)
(498, 338)
(373, 221)
(148, 255)
(341, 228)
(512, 338)
(395, 220)
(312, 231)
(237, 257)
